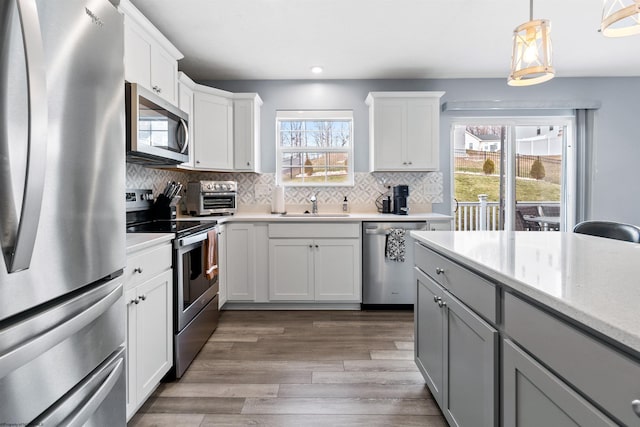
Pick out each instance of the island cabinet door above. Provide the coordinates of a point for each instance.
(533, 396)
(470, 367)
(429, 327)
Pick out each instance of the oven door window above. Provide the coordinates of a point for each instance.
(194, 282)
(219, 201)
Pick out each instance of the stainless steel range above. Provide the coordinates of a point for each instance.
(195, 291)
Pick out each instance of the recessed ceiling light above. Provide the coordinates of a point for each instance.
(316, 70)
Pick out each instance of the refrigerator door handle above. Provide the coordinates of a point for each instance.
(78, 407)
(18, 255)
(30, 338)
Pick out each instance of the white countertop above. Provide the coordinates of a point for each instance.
(593, 280)
(138, 241)
(352, 217)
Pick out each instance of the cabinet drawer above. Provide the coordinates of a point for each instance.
(315, 231)
(143, 265)
(474, 291)
(608, 377)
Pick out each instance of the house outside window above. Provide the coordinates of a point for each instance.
(314, 148)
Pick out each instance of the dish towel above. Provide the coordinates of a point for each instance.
(395, 245)
(211, 255)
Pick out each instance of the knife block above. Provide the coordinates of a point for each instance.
(163, 208)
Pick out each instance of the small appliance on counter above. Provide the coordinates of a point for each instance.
(212, 198)
(400, 196)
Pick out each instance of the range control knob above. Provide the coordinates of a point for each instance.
(209, 186)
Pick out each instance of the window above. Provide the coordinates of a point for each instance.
(314, 148)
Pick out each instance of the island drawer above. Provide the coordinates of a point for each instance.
(473, 290)
(607, 376)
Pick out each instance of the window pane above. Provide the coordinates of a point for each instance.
(159, 125)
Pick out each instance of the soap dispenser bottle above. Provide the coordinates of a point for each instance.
(345, 205)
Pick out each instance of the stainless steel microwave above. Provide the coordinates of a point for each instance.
(157, 131)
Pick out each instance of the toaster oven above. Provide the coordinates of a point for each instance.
(212, 197)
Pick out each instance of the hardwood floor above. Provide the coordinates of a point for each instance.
(300, 368)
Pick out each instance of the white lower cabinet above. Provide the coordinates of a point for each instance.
(456, 351)
(149, 322)
(321, 263)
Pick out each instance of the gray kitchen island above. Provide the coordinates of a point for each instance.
(529, 328)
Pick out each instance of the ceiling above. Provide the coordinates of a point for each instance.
(377, 39)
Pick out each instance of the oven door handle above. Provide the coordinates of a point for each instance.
(190, 240)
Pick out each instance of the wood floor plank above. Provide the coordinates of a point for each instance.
(252, 330)
(266, 365)
(359, 323)
(323, 420)
(247, 377)
(342, 406)
(194, 405)
(375, 391)
(381, 365)
(183, 389)
(226, 337)
(392, 354)
(367, 377)
(166, 420)
(404, 345)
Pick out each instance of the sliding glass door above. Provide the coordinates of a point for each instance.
(513, 174)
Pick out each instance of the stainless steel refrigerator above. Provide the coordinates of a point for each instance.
(62, 218)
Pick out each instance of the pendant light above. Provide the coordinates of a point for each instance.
(531, 57)
(620, 18)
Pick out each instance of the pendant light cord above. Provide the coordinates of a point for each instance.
(530, 10)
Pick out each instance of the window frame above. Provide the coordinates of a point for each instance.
(319, 116)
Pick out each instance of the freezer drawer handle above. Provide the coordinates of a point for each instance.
(19, 249)
(96, 385)
(38, 338)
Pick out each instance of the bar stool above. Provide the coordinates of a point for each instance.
(608, 229)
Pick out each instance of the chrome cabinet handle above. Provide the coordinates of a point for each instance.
(636, 407)
(437, 300)
(439, 270)
(317, 246)
(143, 297)
(137, 270)
(248, 163)
(23, 236)
(442, 303)
(134, 301)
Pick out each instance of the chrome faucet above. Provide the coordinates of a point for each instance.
(314, 204)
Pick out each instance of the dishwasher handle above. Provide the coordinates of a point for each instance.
(377, 231)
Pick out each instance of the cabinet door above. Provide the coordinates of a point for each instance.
(337, 270)
(241, 282)
(389, 134)
(222, 265)
(164, 74)
(291, 270)
(245, 136)
(533, 396)
(132, 326)
(422, 134)
(137, 55)
(154, 332)
(213, 143)
(470, 374)
(429, 327)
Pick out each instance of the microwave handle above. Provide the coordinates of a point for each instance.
(185, 128)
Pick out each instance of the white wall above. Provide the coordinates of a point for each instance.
(616, 139)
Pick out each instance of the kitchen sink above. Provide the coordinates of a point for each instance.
(317, 215)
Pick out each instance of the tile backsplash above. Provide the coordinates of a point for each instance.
(425, 188)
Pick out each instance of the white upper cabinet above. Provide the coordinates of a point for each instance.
(150, 58)
(404, 130)
(246, 132)
(212, 125)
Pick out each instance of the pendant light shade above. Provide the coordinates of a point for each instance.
(620, 18)
(531, 56)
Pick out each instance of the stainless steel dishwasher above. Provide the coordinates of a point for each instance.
(384, 281)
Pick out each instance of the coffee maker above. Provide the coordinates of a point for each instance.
(400, 196)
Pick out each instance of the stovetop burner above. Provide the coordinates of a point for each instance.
(182, 228)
